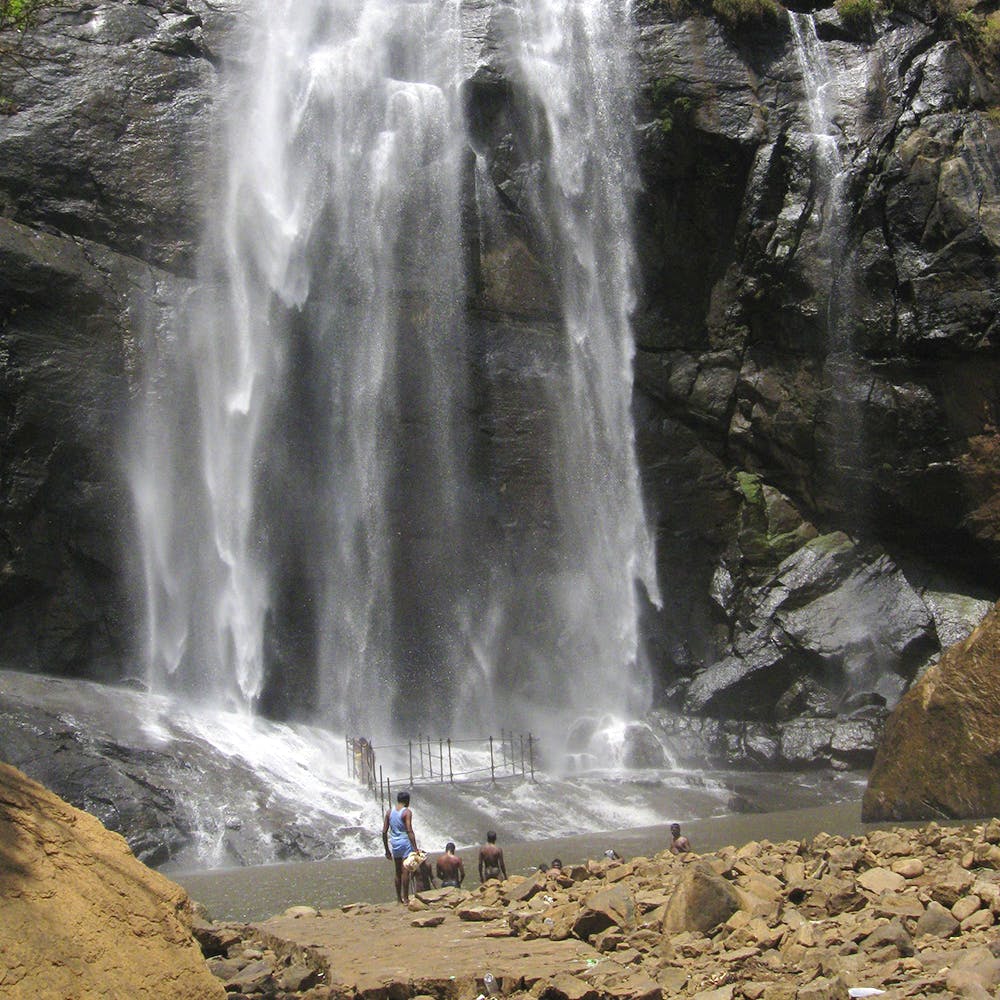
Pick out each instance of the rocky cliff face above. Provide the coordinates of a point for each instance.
(817, 373)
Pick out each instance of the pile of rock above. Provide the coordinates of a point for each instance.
(910, 912)
(251, 963)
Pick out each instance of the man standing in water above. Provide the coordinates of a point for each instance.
(450, 869)
(400, 840)
(491, 859)
(678, 844)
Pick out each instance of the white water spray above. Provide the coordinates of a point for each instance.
(304, 480)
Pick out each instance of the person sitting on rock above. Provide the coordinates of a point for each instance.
(423, 877)
(678, 844)
(450, 868)
(491, 859)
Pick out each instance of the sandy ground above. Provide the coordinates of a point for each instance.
(371, 946)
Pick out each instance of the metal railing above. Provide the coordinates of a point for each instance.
(512, 755)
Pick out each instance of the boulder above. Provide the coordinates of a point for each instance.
(937, 920)
(701, 901)
(81, 916)
(940, 755)
(612, 907)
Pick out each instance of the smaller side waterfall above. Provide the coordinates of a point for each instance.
(842, 434)
(822, 102)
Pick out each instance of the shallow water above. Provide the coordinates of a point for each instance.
(257, 893)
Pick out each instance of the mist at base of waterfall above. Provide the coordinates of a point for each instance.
(229, 790)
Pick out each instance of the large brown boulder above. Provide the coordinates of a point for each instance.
(83, 917)
(940, 754)
(701, 901)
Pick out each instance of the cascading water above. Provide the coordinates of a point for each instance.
(305, 482)
(843, 418)
(580, 561)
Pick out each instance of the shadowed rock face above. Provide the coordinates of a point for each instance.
(940, 750)
(81, 915)
(855, 377)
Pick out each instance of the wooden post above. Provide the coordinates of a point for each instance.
(513, 756)
(522, 753)
(388, 793)
(347, 747)
(441, 758)
(381, 800)
(451, 773)
(409, 744)
(420, 745)
(531, 755)
(493, 770)
(503, 748)
(430, 759)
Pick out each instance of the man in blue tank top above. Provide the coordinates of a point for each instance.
(400, 840)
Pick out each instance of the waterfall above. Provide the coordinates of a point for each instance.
(570, 63)
(304, 476)
(842, 435)
(822, 99)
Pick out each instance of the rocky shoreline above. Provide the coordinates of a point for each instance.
(911, 912)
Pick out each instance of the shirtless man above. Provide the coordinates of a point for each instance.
(491, 859)
(450, 869)
(423, 878)
(678, 844)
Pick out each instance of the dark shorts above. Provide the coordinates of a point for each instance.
(449, 881)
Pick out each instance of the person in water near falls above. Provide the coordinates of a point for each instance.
(678, 844)
(491, 859)
(450, 869)
(400, 841)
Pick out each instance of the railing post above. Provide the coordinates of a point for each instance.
(531, 755)
(441, 758)
(409, 745)
(513, 756)
(493, 770)
(347, 747)
(521, 737)
(451, 773)
(420, 747)
(381, 800)
(503, 748)
(430, 759)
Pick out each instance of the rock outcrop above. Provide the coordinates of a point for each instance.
(82, 917)
(940, 755)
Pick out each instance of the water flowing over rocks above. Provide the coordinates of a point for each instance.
(910, 912)
(82, 917)
(818, 456)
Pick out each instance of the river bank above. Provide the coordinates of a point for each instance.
(250, 894)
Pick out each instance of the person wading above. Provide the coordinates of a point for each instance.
(491, 859)
(400, 840)
(450, 868)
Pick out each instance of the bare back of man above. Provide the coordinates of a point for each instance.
(491, 864)
(450, 868)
